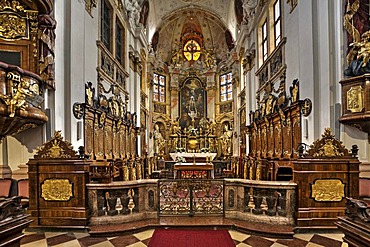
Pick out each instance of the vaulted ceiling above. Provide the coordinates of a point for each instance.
(209, 17)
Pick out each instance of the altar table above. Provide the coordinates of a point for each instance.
(191, 170)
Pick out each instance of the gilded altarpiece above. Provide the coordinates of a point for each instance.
(193, 104)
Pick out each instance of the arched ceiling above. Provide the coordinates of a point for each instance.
(170, 18)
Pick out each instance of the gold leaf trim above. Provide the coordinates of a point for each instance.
(56, 190)
(327, 190)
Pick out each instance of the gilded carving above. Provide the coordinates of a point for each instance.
(11, 5)
(89, 5)
(355, 99)
(327, 190)
(56, 190)
(292, 4)
(20, 89)
(327, 146)
(306, 107)
(56, 148)
(12, 26)
(328, 150)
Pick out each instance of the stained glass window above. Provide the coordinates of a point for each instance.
(192, 50)
(226, 87)
(159, 88)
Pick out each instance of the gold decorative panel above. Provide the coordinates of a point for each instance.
(56, 190)
(327, 190)
(12, 26)
(355, 99)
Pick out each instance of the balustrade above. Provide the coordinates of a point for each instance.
(258, 201)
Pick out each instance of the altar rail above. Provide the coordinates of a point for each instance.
(257, 201)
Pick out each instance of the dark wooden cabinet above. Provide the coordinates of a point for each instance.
(325, 176)
(58, 178)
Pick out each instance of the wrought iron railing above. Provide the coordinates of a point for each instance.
(189, 197)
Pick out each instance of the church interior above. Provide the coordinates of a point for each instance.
(120, 118)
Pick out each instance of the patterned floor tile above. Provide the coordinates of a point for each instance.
(238, 235)
(304, 236)
(314, 245)
(318, 239)
(38, 243)
(138, 244)
(295, 242)
(60, 239)
(124, 241)
(243, 245)
(88, 241)
(73, 243)
(144, 235)
(258, 241)
(141, 239)
(32, 237)
(277, 245)
(103, 244)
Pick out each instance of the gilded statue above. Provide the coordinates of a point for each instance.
(18, 98)
(159, 142)
(225, 139)
(208, 58)
(360, 64)
(176, 57)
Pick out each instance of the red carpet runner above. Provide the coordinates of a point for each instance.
(190, 238)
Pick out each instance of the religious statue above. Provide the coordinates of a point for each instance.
(208, 58)
(133, 10)
(249, 8)
(225, 139)
(18, 99)
(47, 25)
(212, 128)
(176, 57)
(159, 142)
(360, 64)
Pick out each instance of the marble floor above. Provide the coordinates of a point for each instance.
(141, 239)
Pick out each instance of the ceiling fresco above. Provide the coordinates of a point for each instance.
(172, 19)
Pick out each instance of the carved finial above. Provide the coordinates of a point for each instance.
(56, 148)
(327, 146)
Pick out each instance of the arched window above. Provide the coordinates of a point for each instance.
(226, 87)
(192, 50)
(159, 88)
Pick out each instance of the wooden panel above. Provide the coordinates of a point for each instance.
(264, 141)
(108, 139)
(98, 141)
(116, 153)
(306, 172)
(277, 137)
(58, 195)
(270, 141)
(287, 138)
(89, 134)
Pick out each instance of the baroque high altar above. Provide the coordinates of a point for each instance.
(194, 127)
